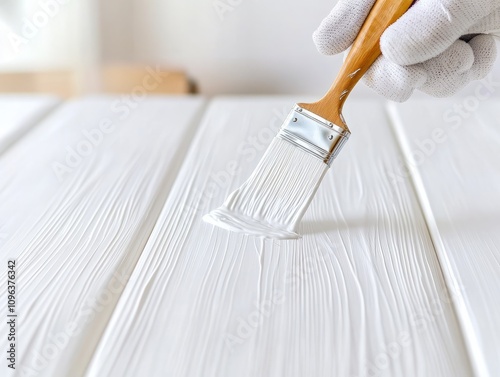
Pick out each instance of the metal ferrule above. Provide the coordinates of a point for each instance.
(315, 135)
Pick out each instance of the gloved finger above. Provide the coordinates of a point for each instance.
(429, 27)
(393, 81)
(461, 63)
(485, 54)
(339, 29)
(486, 25)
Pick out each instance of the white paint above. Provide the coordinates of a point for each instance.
(273, 200)
(77, 240)
(360, 294)
(454, 156)
(19, 114)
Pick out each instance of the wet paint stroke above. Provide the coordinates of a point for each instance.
(271, 205)
(77, 232)
(362, 293)
(273, 200)
(455, 169)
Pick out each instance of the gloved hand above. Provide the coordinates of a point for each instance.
(422, 50)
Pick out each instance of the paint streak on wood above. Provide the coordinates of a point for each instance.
(19, 114)
(361, 294)
(456, 170)
(77, 232)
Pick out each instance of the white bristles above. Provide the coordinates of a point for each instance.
(273, 200)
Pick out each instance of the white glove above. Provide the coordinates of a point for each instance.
(422, 50)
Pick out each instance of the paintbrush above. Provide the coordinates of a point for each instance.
(273, 200)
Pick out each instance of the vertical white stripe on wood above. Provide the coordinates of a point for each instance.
(360, 295)
(77, 239)
(18, 113)
(453, 148)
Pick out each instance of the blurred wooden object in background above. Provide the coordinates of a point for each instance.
(112, 79)
(60, 83)
(153, 79)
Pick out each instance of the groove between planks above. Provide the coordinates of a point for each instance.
(77, 239)
(456, 177)
(361, 293)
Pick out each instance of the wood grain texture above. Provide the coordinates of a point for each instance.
(19, 114)
(77, 238)
(454, 160)
(360, 295)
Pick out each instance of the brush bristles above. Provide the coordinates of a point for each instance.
(273, 200)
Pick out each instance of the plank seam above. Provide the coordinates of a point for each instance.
(476, 359)
(162, 199)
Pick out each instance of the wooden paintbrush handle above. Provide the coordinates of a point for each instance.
(364, 51)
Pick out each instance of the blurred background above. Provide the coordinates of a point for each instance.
(212, 47)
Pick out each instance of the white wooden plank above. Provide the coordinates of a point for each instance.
(360, 295)
(78, 234)
(19, 113)
(454, 155)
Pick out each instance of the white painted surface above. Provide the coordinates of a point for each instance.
(456, 167)
(19, 114)
(361, 294)
(77, 239)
